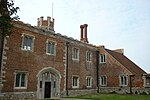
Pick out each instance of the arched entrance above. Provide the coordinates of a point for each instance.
(48, 84)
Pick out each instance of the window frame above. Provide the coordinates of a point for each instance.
(102, 58)
(102, 82)
(32, 44)
(121, 82)
(47, 43)
(88, 59)
(89, 83)
(25, 80)
(76, 82)
(73, 54)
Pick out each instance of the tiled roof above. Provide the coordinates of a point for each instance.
(131, 66)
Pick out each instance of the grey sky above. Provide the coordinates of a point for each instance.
(113, 23)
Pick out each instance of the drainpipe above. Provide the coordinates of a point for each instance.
(1, 56)
(97, 69)
(67, 59)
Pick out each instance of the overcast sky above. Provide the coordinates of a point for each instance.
(113, 23)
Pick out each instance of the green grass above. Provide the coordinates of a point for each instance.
(113, 97)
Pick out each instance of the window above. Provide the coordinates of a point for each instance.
(89, 81)
(103, 80)
(75, 54)
(27, 43)
(146, 80)
(102, 58)
(88, 56)
(21, 80)
(75, 82)
(51, 48)
(123, 80)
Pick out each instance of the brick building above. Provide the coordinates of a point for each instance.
(39, 63)
(118, 73)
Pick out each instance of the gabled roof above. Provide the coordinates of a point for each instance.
(127, 63)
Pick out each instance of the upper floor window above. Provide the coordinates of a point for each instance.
(89, 81)
(51, 48)
(28, 42)
(75, 82)
(88, 56)
(103, 80)
(102, 58)
(75, 54)
(123, 80)
(21, 80)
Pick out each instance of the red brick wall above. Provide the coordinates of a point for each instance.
(32, 62)
(81, 68)
(112, 69)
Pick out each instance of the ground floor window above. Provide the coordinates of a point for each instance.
(103, 80)
(123, 80)
(75, 82)
(21, 80)
(88, 81)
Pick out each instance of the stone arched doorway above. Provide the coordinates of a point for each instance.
(48, 85)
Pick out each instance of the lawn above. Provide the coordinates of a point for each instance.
(114, 97)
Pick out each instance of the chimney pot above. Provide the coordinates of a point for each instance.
(86, 25)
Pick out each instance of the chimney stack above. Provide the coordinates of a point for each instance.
(81, 27)
(121, 51)
(84, 33)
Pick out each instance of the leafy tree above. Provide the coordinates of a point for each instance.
(7, 12)
(7, 15)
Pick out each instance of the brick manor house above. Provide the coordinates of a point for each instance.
(39, 63)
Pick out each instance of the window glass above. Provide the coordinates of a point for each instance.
(123, 80)
(75, 82)
(88, 56)
(51, 48)
(27, 42)
(20, 80)
(76, 53)
(89, 82)
(103, 80)
(17, 80)
(102, 58)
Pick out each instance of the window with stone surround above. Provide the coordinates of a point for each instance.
(123, 80)
(75, 54)
(75, 81)
(27, 42)
(89, 56)
(103, 58)
(103, 81)
(20, 80)
(50, 48)
(89, 81)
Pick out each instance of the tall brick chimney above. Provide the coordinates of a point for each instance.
(45, 24)
(84, 33)
(81, 27)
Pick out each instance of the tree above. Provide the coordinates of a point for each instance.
(7, 15)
